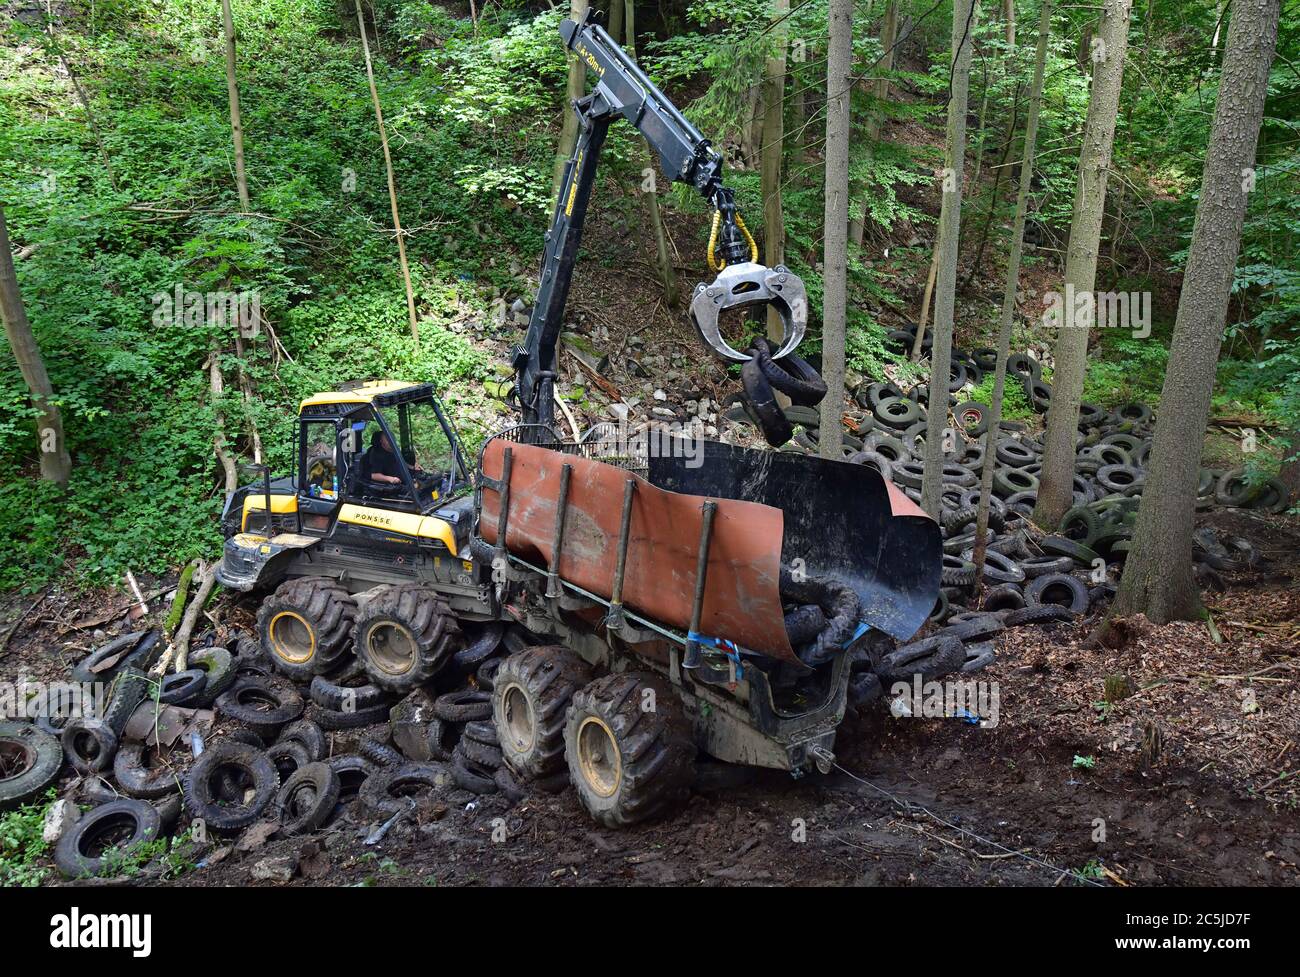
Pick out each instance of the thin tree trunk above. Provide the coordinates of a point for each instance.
(392, 183)
(879, 93)
(1009, 14)
(945, 298)
(835, 231)
(773, 146)
(919, 342)
(82, 98)
(1056, 481)
(616, 28)
(1010, 290)
(1157, 579)
(246, 389)
(217, 389)
(983, 114)
(664, 259)
(56, 466)
(232, 88)
(1289, 474)
(576, 88)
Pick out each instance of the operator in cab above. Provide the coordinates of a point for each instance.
(380, 462)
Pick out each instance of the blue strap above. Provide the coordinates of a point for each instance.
(728, 648)
(863, 628)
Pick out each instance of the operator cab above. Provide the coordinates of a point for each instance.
(393, 448)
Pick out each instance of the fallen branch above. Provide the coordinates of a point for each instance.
(179, 650)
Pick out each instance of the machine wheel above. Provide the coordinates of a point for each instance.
(404, 636)
(626, 761)
(305, 626)
(530, 696)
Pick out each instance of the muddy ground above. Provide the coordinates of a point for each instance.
(1189, 781)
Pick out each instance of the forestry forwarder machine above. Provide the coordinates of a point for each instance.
(657, 603)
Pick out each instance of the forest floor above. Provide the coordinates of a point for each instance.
(1189, 781)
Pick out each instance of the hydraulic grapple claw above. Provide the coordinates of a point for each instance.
(746, 284)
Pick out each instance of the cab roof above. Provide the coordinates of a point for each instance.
(368, 392)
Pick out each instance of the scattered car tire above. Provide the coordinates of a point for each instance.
(480, 753)
(469, 776)
(335, 719)
(405, 634)
(137, 780)
(308, 798)
(219, 670)
(30, 760)
(393, 789)
(182, 688)
(1038, 614)
(379, 754)
(353, 771)
(263, 705)
(89, 745)
(978, 656)
(1058, 588)
(251, 770)
(122, 824)
(340, 697)
(309, 736)
(463, 707)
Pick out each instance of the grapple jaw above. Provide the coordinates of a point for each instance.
(745, 284)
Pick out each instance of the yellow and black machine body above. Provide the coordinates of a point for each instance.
(380, 495)
(605, 571)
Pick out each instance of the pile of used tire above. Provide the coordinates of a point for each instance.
(1030, 576)
(295, 753)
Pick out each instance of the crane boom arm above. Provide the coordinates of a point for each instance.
(621, 89)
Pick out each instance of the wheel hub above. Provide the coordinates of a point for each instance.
(292, 638)
(392, 647)
(520, 726)
(598, 757)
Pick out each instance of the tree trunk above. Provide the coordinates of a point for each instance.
(616, 28)
(1010, 289)
(1289, 475)
(1009, 14)
(879, 93)
(217, 390)
(773, 146)
(664, 260)
(56, 466)
(919, 342)
(1056, 481)
(835, 232)
(232, 88)
(1157, 579)
(577, 88)
(945, 296)
(392, 183)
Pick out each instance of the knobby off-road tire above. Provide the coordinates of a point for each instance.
(306, 626)
(404, 636)
(530, 699)
(627, 761)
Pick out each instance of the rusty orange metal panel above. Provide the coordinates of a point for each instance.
(742, 599)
